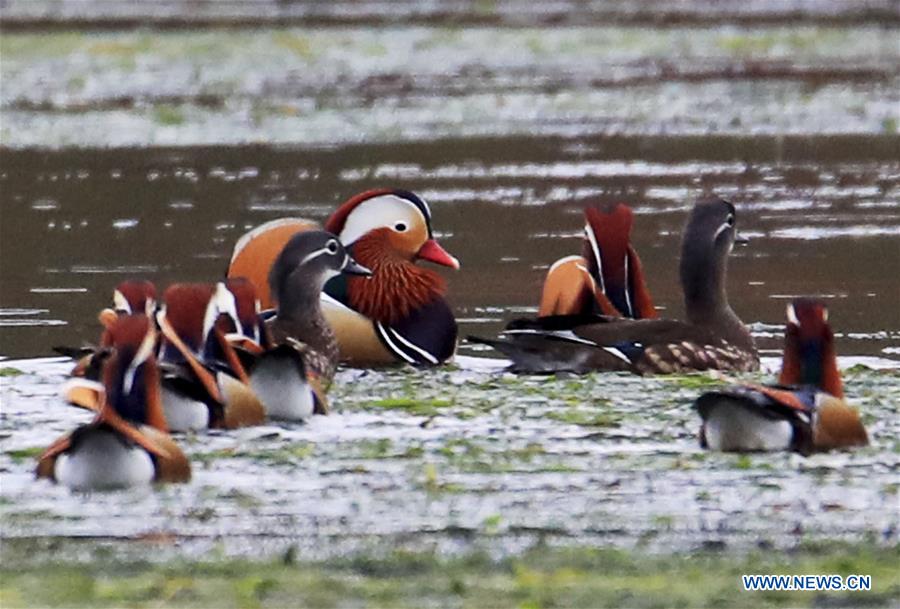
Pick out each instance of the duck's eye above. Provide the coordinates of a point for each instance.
(730, 220)
(332, 246)
(400, 227)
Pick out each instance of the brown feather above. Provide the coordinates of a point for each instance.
(242, 407)
(838, 426)
(47, 461)
(397, 286)
(173, 465)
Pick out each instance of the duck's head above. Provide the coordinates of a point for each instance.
(307, 261)
(191, 310)
(809, 353)
(135, 296)
(130, 297)
(399, 222)
(130, 371)
(246, 309)
(708, 237)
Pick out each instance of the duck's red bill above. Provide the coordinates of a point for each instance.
(433, 252)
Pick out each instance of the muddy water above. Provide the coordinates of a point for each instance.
(822, 215)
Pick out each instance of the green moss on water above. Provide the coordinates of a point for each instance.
(8, 371)
(695, 381)
(25, 454)
(167, 114)
(584, 418)
(414, 406)
(539, 577)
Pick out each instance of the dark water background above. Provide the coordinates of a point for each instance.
(822, 214)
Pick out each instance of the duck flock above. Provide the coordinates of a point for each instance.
(264, 342)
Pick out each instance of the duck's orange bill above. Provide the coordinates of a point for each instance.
(202, 374)
(433, 252)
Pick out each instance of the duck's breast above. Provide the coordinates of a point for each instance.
(279, 384)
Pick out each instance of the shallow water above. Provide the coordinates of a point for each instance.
(460, 460)
(157, 150)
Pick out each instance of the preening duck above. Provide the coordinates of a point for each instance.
(198, 390)
(607, 278)
(712, 336)
(126, 444)
(806, 412)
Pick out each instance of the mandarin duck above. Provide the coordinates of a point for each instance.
(606, 278)
(197, 391)
(712, 336)
(292, 374)
(399, 313)
(132, 296)
(805, 412)
(126, 444)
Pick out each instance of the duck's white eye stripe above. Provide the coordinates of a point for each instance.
(314, 254)
(725, 226)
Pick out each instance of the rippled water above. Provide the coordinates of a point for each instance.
(822, 219)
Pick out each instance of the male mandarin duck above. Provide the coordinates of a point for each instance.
(198, 391)
(131, 296)
(399, 313)
(126, 444)
(606, 278)
(804, 413)
(712, 337)
(292, 374)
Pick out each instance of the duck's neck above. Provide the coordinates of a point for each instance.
(703, 282)
(811, 362)
(397, 286)
(299, 307)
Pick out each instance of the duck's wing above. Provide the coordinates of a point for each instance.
(579, 343)
(47, 461)
(425, 337)
(745, 413)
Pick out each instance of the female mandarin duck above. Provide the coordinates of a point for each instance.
(294, 371)
(804, 413)
(126, 444)
(199, 390)
(712, 337)
(606, 278)
(399, 313)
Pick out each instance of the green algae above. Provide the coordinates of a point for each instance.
(542, 576)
